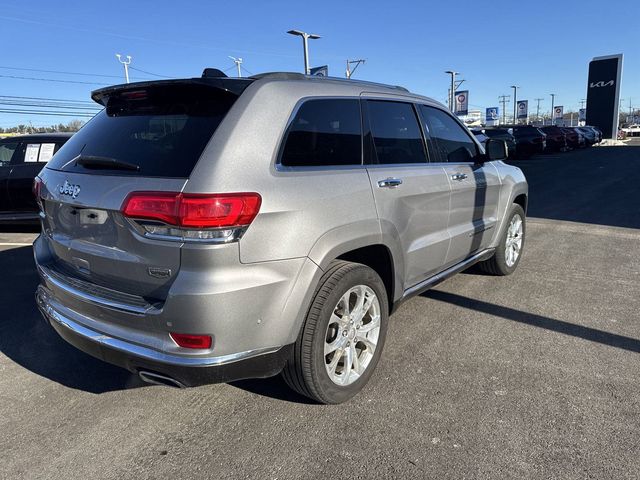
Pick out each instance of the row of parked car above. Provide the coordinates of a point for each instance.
(526, 140)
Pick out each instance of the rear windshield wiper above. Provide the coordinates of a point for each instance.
(107, 163)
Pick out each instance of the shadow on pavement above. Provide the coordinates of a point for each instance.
(598, 185)
(566, 328)
(274, 387)
(30, 342)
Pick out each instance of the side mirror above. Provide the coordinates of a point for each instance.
(496, 149)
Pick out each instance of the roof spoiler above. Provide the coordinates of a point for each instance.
(231, 85)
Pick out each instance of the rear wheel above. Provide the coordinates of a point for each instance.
(343, 335)
(509, 250)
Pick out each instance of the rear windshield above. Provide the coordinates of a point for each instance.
(161, 130)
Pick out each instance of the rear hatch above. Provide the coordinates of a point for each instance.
(148, 138)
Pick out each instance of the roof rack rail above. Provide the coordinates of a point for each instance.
(301, 76)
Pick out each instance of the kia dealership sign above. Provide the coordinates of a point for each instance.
(603, 94)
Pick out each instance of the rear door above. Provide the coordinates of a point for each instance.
(411, 195)
(475, 187)
(148, 139)
(31, 156)
(8, 149)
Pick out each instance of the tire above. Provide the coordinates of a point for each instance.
(328, 324)
(500, 263)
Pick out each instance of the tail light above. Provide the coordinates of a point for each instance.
(191, 341)
(36, 189)
(221, 217)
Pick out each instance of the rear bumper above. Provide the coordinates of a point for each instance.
(187, 370)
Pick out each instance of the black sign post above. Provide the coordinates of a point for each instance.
(603, 94)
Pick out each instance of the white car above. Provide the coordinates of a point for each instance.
(632, 130)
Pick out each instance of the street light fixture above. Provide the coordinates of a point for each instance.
(125, 63)
(515, 103)
(452, 93)
(305, 38)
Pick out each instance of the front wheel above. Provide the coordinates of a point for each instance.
(510, 247)
(343, 335)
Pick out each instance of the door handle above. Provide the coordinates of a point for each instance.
(389, 182)
(459, 176)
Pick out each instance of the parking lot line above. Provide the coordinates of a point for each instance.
(13, 244)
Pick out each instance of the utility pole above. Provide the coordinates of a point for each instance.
(504, 99)
(125, 63)
(238, 62)
(515, 103)
(538, 100)
(553, 113)
(452, 93)
(305, 45)
(350, 72)
(582, 102)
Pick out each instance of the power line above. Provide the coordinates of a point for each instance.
(57, 114)
(246, 70)
(89, 102)
(148, 73)
(48, 105)
(84, 74)
(52, 80)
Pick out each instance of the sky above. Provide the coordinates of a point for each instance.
(543, 46)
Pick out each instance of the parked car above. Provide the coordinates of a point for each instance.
(21, 159)
(574, 139)
(631, 131)
(591, 138)
(597, 133)
(505, 135)
(211, 229)
(530, 140)
(584, 142)
(480, 135)
(556, 138)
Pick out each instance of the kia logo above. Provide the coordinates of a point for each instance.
(69, 189)
(602, 83)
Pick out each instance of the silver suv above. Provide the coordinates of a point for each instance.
(212, 229)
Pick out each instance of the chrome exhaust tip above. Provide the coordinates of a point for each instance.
(159, 379)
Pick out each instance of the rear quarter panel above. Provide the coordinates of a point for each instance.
(299, 205)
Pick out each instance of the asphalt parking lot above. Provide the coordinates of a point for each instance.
(531, 376)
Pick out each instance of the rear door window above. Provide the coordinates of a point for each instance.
(452, 141)
(6, 152)
(396, 133)
(324, 132)
(162, 130)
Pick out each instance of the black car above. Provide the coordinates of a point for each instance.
(529, 140)
(503, 134)
(21, 159)
(556, 138)
(591, 135)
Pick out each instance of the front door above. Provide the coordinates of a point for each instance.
(475, 185)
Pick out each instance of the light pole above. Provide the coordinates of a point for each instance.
(350, 72)
(515, 102)
(305, 44)
(452, 93)
(504, 99)
(553, 104)
(126, 65)
(538, 100)
(238, 62)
